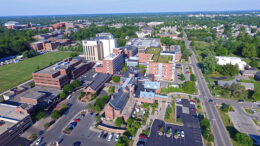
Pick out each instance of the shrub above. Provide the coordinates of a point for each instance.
(116, 79)
(119, 121)
(40, 115)
(55, 114)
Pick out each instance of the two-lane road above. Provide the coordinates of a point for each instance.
(219, 130)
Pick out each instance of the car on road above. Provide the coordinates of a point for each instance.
(2, 122)
(240, 101)
(110, 136)
(182, 133)
(140, 143)
(142, 136)
(187, 72)
(39, 141)
(76, 120)
(104, 136)
(194, 109)
(100, 134)
(210, 100)
(69, 96)
(117, 137)
(59, 141)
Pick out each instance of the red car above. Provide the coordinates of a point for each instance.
(194, 109)
(187, 72)
(142, 136)
(192, 101)
(76, 120)
(158, 128)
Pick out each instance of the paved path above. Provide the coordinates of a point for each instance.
(221, 136)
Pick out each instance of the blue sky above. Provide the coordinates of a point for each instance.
(49, 7)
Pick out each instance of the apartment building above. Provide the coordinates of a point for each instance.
(160, 70)
(60, 74)
(13, 122)
(111, 64)
(93, 50)
(109, 42)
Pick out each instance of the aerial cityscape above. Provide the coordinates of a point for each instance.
(146, 74)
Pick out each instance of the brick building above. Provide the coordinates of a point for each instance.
(121, 103)
(60, 74)
(163, 71)
(111, 64)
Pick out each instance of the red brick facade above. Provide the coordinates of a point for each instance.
(166, 72)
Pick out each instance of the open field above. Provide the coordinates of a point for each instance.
(15, 74)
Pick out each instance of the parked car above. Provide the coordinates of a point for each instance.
(2, 122)
(170, 129)
(39, 141)
(158, 128)
(240, 101)
(178, 133)
(182, 133)
(194, 109)
(110, 136)
(142, 136)
(117, 137)
(187, 72)
(100, 134)
(140, 143)
(105, 136)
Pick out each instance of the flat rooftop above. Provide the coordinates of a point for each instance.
(129, 107)
(10, 116)
(145, 42)
(112, 56)
(56, 67)
(39, 91)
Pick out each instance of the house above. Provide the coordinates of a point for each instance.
(224, 84)
(249, 73)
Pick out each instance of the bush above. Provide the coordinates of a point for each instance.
(76, 83)
(40, 115)
(32, 84)
(193, 77)
(55, 114)
(179, 120)
(116, 79)
(111, 89)
(46, 125)
(244, 139)
(67, 88)
(119, 121)
(33, 136)
(62, 95)
(189, 87)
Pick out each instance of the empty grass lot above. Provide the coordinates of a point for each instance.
(15, 74)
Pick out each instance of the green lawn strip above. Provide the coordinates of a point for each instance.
(229, 126)
(15, 74)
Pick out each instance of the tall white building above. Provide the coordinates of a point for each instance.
(108, 41)
(93, 50)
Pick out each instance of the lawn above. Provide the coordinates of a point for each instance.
(15, 74)
(172, 118)
(164, 58)
(256, 83)
(218, 75)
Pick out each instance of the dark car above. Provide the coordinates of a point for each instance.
(105, 136)
(240, 101)
(140, 143)
(210, 100)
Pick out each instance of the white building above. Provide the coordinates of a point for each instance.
(11, 23)
(142, 34)
(93, 50)
(222, 60)
(108, 41)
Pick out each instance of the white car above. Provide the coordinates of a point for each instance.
(182, 133)
(39, 141)
(110, 136)
(117, 137)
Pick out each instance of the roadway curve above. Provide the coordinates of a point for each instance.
(221, 135)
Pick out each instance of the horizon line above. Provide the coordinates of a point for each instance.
(117, 13)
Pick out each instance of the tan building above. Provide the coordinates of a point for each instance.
(13, 122)
(111, 64)
(93, 50)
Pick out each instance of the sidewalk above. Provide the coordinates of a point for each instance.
(37, 128)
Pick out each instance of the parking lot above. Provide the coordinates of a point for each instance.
(191, 128)
(83, 136)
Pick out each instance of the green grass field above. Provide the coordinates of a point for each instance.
(15, 74)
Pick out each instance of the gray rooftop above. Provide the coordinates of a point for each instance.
(119, 100)
(100, 80)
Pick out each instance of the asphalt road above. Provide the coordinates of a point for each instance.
(219, 130)
(55, 131)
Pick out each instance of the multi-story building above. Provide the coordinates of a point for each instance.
(128, 51)
(37, 45)
(60, 74)
(108, 41)
(161, 70)
(13, 122)
(93, 50)
(159, 63)
(111, 64)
